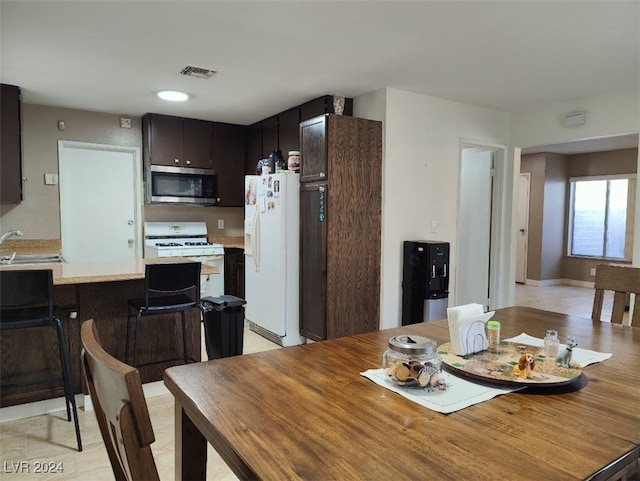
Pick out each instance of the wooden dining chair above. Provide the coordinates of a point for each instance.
(121, 410)
(622, 281)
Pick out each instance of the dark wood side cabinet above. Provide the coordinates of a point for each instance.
(234, 271)
(177, 141)
(229, 141)
(340, 220)
(11, 145)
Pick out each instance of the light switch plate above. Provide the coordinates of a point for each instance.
(220, 223)
(125, 123)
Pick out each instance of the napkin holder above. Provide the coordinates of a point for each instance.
(467, 328)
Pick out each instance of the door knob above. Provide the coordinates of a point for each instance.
(522, 231)
(130, 241)
(129, 222)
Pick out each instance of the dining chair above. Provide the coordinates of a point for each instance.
(622, 281)
(26, 300)
(168, 289)
(121, 409)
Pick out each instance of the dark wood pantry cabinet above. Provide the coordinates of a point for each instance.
(11, 146)
(177, 141)
(340, 214)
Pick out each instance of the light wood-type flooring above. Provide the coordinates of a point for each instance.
(35, 441)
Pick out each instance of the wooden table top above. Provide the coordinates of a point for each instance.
(305, 412)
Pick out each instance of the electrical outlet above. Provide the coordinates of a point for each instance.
(593, 271)
(220, 223)
(434, 226)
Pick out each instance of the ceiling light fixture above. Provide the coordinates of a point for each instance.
(172, 95)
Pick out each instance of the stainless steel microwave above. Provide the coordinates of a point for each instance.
(179, 185)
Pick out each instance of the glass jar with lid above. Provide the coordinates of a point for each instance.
(551, 343)
(413, 361)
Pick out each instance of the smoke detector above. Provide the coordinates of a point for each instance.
(197, 72)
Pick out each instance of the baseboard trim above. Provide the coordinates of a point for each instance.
(558, 282)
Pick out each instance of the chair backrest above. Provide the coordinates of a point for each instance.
(173, 278)
(24, 287)
(622, 281)
(121, 410)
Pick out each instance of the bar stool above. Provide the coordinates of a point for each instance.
(26, 297)
(168, 289)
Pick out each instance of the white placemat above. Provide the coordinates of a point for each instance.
(584, 357)
(459, 394)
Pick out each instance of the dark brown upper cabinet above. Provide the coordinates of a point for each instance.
(229, 155)
(269, 135)
(11, 142)
(289, 131)
(313, 145)
(177, 142)
(254, 148)
(322, 105)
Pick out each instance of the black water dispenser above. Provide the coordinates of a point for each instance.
(425, 281)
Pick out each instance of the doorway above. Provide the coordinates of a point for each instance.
(524, 192)
(482, 240)
(100, 201)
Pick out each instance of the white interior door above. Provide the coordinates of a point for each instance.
(474, 227)
(523, 227)
(100, 201)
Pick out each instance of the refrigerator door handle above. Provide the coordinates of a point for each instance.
(255, 239)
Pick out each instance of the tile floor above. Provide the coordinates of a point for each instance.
(50, 439)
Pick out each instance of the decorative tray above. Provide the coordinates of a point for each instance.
(503, 367)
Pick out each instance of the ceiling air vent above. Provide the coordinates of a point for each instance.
(197, 72)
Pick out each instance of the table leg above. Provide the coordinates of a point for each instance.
(190, 449)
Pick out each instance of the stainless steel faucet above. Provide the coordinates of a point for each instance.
(11, 233)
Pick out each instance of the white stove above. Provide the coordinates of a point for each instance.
(174, 239)
(187, 239)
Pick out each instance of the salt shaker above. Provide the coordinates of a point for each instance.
(493, 335)
(551, 343)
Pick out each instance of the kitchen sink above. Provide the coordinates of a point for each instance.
(31, 259)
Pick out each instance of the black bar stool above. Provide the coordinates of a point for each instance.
(168, 288)
(26, 297)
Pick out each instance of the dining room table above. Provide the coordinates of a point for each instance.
(307, 412)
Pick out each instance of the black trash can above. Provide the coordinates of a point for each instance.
(223, 325)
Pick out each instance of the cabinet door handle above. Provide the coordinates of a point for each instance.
(322, 175)
(188, 162)
(322, 208)
(176, 161)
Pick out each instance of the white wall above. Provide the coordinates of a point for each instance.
(421, 155)
(610, 114)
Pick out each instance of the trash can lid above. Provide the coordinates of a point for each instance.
(224, 301)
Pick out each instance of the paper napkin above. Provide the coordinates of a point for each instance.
(459, 394)
(583, 357)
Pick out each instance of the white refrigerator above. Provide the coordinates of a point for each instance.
(271, 248)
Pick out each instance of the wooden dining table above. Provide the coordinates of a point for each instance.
(305, 412)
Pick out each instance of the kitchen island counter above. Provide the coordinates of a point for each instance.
(97, 290)
(72, 273)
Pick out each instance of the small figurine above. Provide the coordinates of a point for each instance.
(526, 365)
(564, 358)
